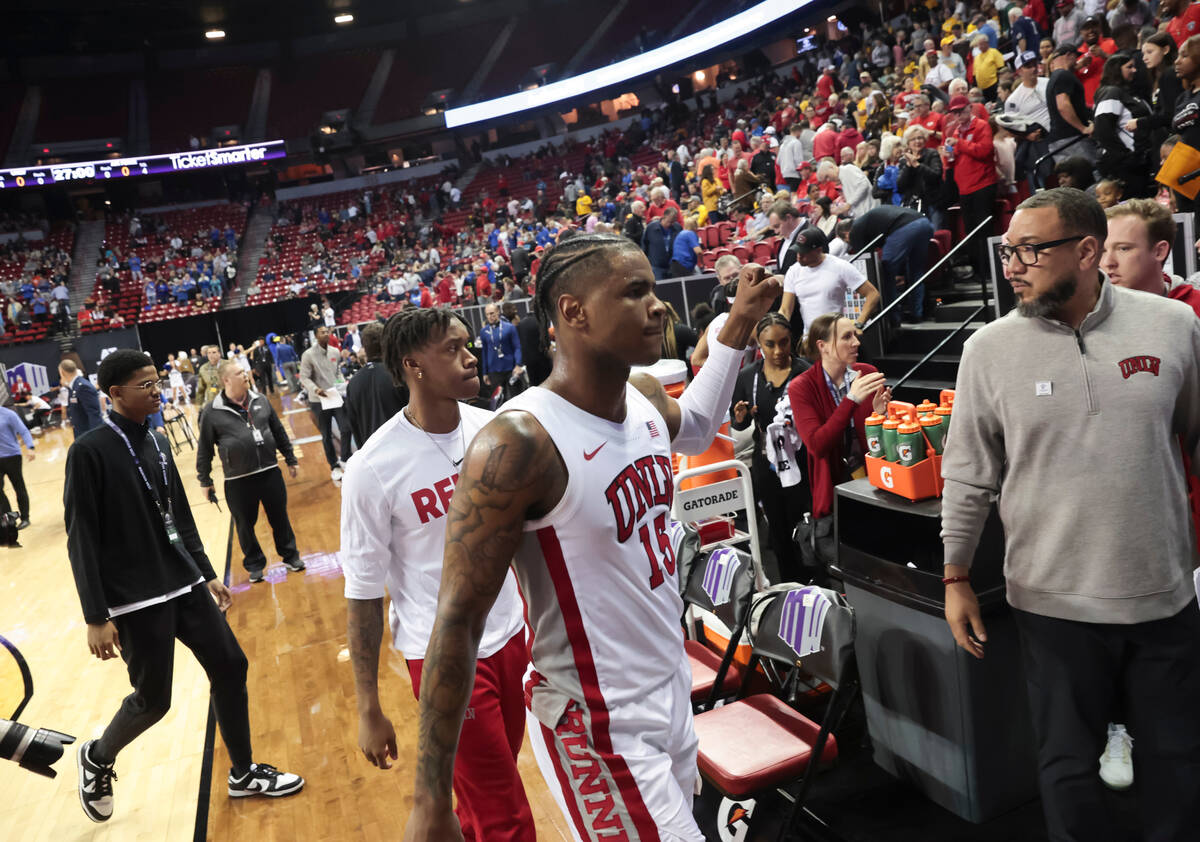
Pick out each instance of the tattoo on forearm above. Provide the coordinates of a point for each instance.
(364, 622)
(504, 474)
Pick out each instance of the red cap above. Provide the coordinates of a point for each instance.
(958, 102)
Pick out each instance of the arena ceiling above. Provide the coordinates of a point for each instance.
(57, 27)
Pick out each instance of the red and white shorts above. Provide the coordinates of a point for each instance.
(625, 773)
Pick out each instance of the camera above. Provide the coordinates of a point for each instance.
(33, 749)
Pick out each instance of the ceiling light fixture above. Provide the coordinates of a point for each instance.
(345, 17)
(214, 34)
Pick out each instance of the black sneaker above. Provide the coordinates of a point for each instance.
(24, 523)
(295, 565)
(95, 785)
(256, 575)
(264, 780)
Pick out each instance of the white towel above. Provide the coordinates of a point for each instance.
(783, 445)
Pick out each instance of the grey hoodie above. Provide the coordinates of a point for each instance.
(1078, 432)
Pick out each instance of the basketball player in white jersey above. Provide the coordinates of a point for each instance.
(394, 498)
(572, 483)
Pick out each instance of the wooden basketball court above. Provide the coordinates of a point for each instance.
(302, 705)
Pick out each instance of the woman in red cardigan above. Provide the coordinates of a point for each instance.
(830, 402)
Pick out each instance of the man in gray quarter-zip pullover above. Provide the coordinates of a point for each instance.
(1071, 411)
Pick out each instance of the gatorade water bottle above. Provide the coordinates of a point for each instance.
(873, 427)
(911, 444)
(926, 406)
(891, 439)
(944, 412)
(932, 425)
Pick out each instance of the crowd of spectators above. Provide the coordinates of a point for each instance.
(33, 285)
(155, 266)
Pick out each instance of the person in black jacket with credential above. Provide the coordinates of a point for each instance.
(756, 394)
(244, 428)
(144, 581)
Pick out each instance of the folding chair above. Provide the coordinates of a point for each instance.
(721, 583)
(179, 430)
(761, 743)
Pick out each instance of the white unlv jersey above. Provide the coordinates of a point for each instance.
(598, 572)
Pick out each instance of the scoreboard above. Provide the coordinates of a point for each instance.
(109, 168)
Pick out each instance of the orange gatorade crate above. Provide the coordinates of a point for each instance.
(920, 482)
(915, 482)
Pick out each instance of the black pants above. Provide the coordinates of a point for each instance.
(1079, 675)
(678, 270)
(265, 379)
(244, 495)
(784, 507)
(148, 648)
(975, 209)
(324, 419)
(793, 185)
(10, 466)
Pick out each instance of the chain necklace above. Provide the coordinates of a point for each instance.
(462, 439)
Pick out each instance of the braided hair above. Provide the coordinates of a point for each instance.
(411, 329)
(560, 266)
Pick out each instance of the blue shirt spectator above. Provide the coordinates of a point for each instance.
(135, 263)
(12, 429)
(27, 290)
(683, 253)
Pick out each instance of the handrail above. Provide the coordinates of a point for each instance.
(881, 235)
(879, 316)
(981, 308)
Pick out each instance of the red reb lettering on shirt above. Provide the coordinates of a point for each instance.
(426, 499)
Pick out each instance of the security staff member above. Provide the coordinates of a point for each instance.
(83, 401)
(208, 380)
(501, 349)
(242, 424)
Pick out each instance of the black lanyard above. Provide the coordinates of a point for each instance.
(165, 511)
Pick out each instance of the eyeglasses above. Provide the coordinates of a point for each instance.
(1027, 253)
(151, 386)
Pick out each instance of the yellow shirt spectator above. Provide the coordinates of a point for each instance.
(710, 191)
(987, 67)
(583, 205)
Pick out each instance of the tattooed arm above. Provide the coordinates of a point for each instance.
(512, 473)
(376, 736)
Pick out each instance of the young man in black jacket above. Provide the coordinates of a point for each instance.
(371, 396)
(243, 426)
(144, 580)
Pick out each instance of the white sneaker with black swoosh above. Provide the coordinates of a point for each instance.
(264, 780)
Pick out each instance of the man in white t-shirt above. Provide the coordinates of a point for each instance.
(395, 496)
(1028, 99)
(820, 281)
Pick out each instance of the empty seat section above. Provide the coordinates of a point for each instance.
(191, 102)
(426, 64)
(82, 108)
(308, 86)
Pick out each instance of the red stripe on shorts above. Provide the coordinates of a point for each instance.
(646, 828)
